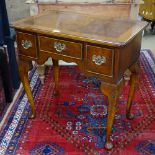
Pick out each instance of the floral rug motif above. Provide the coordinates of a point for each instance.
(74, 123)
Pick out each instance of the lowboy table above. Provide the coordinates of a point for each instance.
(101, 47)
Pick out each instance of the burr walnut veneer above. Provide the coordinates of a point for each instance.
(104, 48)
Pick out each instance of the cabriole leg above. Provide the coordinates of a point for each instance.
(41, 72)
(133, 82)
(56, 76)
(23, 70)
(112, 91)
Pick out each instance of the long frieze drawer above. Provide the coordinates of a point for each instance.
(62, 47)
(27, 44)
(99, 60)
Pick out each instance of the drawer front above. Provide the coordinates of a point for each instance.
(99, 60)
(27, 44)
(61, 47)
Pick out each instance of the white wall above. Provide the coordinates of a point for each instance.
(17, 9)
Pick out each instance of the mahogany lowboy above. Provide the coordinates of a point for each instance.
(104, 48)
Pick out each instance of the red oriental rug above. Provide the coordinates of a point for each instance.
(74, 122)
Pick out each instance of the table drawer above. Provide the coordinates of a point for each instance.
(27, 44)
(61, 47)
(99, 60)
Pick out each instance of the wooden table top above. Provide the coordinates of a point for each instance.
(82, 27)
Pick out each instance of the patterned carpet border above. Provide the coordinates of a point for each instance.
(17, 119)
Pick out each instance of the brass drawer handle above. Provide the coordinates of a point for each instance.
(59, 46)
(98, 59)
(26, 44)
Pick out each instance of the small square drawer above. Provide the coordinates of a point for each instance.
(62, 47)
(27, 44)
(99, 60)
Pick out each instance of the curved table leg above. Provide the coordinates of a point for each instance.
(41, 72)
(56, 76)
(133, 80)
(112, 91)
(23, 70)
